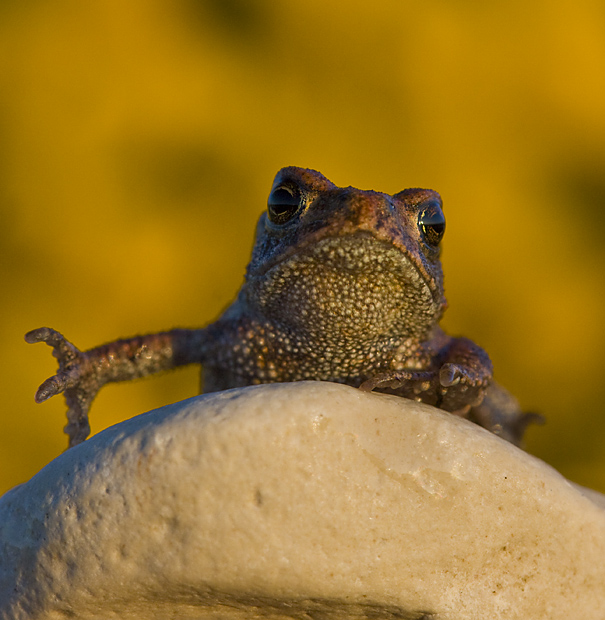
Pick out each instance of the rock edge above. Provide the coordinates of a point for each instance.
(298, 500)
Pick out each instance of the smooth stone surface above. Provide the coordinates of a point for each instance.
(306, 500)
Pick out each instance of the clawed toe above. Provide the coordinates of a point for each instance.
(388, 380)
(395, 380)
(55, 385)
(52, 338)
(42, 334)
(373, 383)
(450, 374)
(51, 387)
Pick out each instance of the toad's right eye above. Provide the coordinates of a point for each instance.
(283, 204)
(432, 224)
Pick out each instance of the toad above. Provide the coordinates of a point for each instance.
(343, 285)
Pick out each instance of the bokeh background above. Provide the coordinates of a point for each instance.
(139, 141)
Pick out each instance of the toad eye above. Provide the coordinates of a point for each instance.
(431, 222)
(283, 203)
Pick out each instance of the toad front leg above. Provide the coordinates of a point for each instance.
(81, 374)
(464, 377)
(459, 376)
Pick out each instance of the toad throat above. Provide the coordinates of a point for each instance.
(352, 289)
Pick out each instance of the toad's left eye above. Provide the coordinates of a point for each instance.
(283, 204)
(431, 222)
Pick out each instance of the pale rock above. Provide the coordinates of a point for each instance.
(307, 500)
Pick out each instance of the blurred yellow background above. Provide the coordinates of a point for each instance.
(140, 139)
